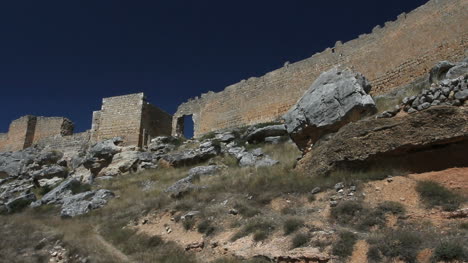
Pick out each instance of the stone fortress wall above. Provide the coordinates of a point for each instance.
(399, 53)
(29, 129)
(130, 117)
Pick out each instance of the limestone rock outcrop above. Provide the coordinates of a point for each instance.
(259, 135)
(336, 98)
(420, 140)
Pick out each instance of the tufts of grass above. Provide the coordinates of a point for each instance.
(434, 194)
(344, 246)
(291, 225)
(450, 251)
(261, 229)
(299, 240)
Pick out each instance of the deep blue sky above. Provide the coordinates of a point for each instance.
(60, 58)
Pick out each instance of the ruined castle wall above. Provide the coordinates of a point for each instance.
(50, 126)
(68, 144)
(389, 57)
(20, 134)
(120, 116)
(155, 122)
(3, 140)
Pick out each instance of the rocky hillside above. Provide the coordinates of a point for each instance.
(332, 182)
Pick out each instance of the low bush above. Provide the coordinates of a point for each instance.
(377, 216)
(206, 227)
(300, 240)
(450, 251)
(292, 224)
(188, 223)
(394, 244)
(246, 210)
(434, 194)
(260, 227)
(347, 211)
(344, 246)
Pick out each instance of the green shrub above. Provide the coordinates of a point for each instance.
(246, 210)
(390, 207)
(346, 211)
(394, 244)
(434, 194)
(260, 235)
(377, 216)
(292, 224)
(344, 247)
(205, 227)
(449, 251)
(188, 223)
(300, 240)
(260, 227)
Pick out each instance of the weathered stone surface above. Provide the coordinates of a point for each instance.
(274, 139)
(106, 149)
(162, 144)
(336, 98)
(14, 163)
(82, 203)
(56, 195)
(260, 134)
(256, 158)
(204, 170)
(225, 137)
(439, 71)
(206, 151)
(20, 202)
(50, 171)
(125, 162)
(461, 95)
(372, 139)
(48, 157)
(458, 70)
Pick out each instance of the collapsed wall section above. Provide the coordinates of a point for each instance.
(20, 133)
(3, 140)
(50, 126)
(28, 130)
(399, 53)
(69, 145)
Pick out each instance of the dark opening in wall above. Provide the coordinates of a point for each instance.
(187, 126)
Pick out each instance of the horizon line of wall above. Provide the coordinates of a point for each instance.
(399, 53)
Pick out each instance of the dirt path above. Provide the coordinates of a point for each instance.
(111, 249)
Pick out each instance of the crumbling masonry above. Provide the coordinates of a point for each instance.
(130, 117)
